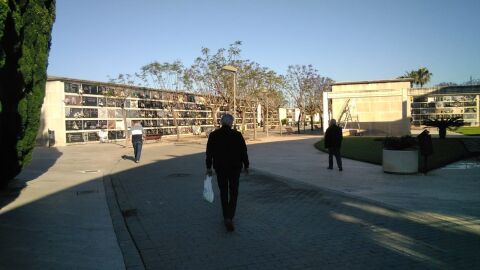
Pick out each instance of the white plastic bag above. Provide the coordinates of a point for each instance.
(207, 189)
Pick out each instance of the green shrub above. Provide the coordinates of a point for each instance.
(25, 37)
(400, 143)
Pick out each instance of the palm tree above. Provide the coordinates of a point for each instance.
(410, 75)
(423, 76)
(420, 76)
(443, 123)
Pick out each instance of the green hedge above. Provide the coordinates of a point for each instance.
(369, 149)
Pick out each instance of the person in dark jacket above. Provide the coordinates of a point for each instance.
(426, 148)
(227, 151)
(333, 141)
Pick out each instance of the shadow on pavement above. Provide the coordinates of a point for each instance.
(60, 220)
(280, 224)
(43, 158)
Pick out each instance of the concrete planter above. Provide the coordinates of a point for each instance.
(400, 161)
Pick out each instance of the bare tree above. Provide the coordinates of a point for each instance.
(314, 96)
(274, 98)
(256, 83)
(207, 78)
(300, 81)
(121, 93)
(250, 83)
(163, 75)
(166, 76)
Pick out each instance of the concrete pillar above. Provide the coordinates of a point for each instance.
(53, 112)
(406, 112)
(478, 110)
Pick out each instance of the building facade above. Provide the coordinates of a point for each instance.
(445, 102)
(80, 111)
(391, 107)
(376, 107)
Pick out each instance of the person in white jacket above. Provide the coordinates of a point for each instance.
(137, 139)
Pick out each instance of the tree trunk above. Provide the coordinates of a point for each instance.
(280, 122)
(243, 122)
(255, 123)
(263, 119)
(214, 116)
(304, 122)
(175, 122)
(311, 123)
(126, 125)
(442, 132)
(299, 121)
(266, 120)
(10, 121)
(321, 122)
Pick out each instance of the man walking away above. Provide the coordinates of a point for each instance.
(227, 150)
(333, 141)
(426, 148)
(137, 140)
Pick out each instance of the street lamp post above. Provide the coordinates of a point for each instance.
(265, 92)
(234, 70)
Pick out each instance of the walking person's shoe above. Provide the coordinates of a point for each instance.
(330, 168)
(340, 169)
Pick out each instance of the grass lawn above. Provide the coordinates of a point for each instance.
(469, 131)
(369, 149)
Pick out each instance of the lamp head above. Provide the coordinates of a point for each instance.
(230, 68)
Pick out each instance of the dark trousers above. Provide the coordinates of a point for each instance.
(228, 185)
(137, 149)
(334, 151)
(425, 164)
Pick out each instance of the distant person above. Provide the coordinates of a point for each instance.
(227, 150)
(137, 139)
(426, 148)
(103, 135)
(333, 141)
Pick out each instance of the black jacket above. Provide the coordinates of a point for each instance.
(333, 137)
(425, 143)
(227, 149)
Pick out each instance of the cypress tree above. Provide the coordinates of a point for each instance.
(25, 38)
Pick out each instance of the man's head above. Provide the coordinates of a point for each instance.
(226, 120)
(333, 122)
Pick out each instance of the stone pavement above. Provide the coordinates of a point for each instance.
(55, 215)
(453, 191)
(281, 223)
(292, 213)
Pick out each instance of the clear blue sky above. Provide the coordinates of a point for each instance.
(345, 40)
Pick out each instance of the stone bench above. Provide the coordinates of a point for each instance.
(153, 137)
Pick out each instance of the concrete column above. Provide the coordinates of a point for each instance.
(406, 112)
(53, 112)
(478, 110)
(326, 117)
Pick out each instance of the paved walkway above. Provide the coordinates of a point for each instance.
(55, 215)
(452, 191)
(292, 213)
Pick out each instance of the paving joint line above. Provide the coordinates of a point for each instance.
(120, 226)
(293, 182)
